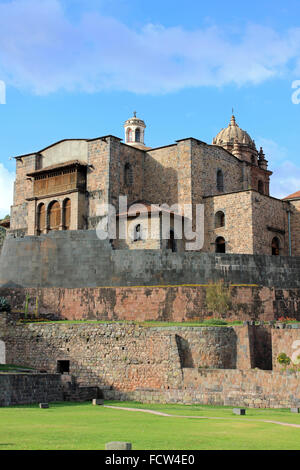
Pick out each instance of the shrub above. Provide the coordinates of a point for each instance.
(283, 359)
(214, 321)
(4, 305)
(218, 298)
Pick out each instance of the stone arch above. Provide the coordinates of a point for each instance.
(171, 243)
(2, 352)
(137, 235)
(138, 134)
(260, 187)
(219, 219)
(276, 246)
(66, 214)
(220, 180)
(54, 216)
(129, 135)
(220, 245)
(128, 174)
(41, 218)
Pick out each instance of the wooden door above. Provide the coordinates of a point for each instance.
(54, 216)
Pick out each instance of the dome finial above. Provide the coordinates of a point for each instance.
(134, 113)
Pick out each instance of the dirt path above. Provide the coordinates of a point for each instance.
(158, 413)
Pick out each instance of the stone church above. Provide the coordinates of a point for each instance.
(61, 186)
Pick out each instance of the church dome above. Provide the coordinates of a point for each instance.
(233, 134)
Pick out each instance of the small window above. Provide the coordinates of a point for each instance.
(261, 187)
(219, 219)
(63, 367)
(220, 245)
(137, 135)
(275, 246)
(41, 219)
(171, 245)
(137, 233)
(220, 181)
(129, 135)
(128, 176)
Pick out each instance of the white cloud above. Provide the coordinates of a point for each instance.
(285, 180)
(43, 51)
(286, 175)
(6, 190)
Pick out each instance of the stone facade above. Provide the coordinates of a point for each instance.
(220, 176)
(23, 389)
(212, 365)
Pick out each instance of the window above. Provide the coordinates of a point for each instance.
(128, 176)
(129, 135)
(41, 218)
(260, 187)
(137, 233)
(137, 135)
(63, 367)
(220, 245)
(220, 180)
(219, 219)
(67, 214)
(171, 245)
(275, 246)
(54, 216)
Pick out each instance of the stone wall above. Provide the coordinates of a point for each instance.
(236, 388)
(124, 356)
(167, 365)
(286, 340)
(24, 389)
(74, 259)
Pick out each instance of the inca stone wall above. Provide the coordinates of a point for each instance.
(23, 389)
(75, 275)
(168, 365)
(123, 356)
(286, 340)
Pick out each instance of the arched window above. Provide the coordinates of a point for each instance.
(128, 176)
(275, 246)
(137, 135)
(220, 180)
(54, 216)
(219, 219)
(137, 233)
(129, 135)
(67, 214)
(41, 218)
(220, 245)
(260, 187)
(171, 245)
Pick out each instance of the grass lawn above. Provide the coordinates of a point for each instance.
(83, 426)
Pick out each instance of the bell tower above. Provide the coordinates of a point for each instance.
(135, 132)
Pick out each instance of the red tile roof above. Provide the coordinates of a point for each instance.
(293, 196)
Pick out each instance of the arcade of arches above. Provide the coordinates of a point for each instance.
(56, 217)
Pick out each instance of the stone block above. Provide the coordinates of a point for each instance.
(295, 410)
(118, 446)
(44, 405)
(97, 401)
(239, 411)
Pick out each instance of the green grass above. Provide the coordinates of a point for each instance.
(13, 368)
(83, 426)
(145, 324)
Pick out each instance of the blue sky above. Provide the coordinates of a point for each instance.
(78, 69)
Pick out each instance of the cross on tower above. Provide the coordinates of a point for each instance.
(134, 113)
